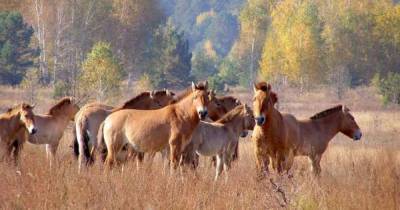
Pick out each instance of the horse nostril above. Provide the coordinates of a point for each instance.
(34, 130)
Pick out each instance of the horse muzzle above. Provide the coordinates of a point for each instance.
(260, 120)
(32, 130)
(357, 136)
(202, 114)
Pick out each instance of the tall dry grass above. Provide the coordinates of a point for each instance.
(355, 175)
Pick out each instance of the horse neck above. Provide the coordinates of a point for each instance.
(274, 120)
(235, 124)
(328, 126)
(60, 116)
(185, 107)
(13, 124)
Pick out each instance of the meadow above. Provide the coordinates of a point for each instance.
(355, 175)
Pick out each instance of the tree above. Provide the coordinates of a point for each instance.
(204, 64)
(294, 47)
(16, 54)
(170, 59)
(101, 72)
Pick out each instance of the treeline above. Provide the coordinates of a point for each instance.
(75, 45)
(90, 45)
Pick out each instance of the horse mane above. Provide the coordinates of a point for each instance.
(53, 110)
(264, 86)
(326, 112)
(12, 110)
(231, 114)
(133, 100)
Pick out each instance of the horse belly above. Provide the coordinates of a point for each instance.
(150, 139)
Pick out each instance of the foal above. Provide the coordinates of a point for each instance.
(220, 138)
(15, 119)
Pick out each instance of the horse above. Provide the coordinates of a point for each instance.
(18, 118)
(89, 118)
(220, 138)
(217, 107)
(282, 136)
(152, 130)
(51, 126)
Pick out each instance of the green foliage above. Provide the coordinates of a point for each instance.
(203, 65)
(170, 59)
(203, 20)
(61, 89)
(216, 82)
(389, 87)
(16, 54)
(101, 72)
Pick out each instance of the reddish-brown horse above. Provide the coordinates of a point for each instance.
(15, 119)
(282, 136)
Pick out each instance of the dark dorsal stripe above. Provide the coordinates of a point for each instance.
(327, 112)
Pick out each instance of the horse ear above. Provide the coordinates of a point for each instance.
(167, 92)
(274, 97)
(269, 87)
(152, 94)
(237, 102)
(255, 87)
(193, 86)
(206, 85)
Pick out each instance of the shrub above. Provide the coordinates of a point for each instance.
(389, 87)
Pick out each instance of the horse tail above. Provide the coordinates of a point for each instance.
(75, 144)
(101, 145)
(82, 139)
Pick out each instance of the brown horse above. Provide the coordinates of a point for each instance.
(51, 125)
(282, 136)
(89, 118)
(15, 119)
(152, 130)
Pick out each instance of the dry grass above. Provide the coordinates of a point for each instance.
(356, 175)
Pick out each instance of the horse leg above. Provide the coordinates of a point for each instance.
(226, 161)
(219, 167)
(51, 150)
(316, 167)
(175, 148)
(17, 148)
(262, 161)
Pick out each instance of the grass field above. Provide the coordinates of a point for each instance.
(355, 175)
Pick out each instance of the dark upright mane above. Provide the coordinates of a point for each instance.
(188, 91)
(133, 100)
(327, 112)
(262, 86)
(53, 110)
(231, 114)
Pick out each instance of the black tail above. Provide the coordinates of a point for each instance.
(86, 139)
(101, 146)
